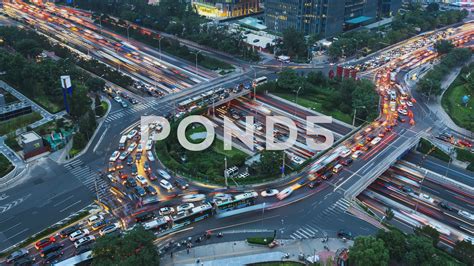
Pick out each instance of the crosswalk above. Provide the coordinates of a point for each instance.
(89, 177)
(310, 229)
(128, 111)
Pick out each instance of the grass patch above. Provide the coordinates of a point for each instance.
(5, 165)
(470, 167)
(462, 115)
(73, 152)
(464, 155)
(260, 240)
(18, 122)
(47, 104)
(315, 103)
(426, 147)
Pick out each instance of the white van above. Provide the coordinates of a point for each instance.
(337, 168)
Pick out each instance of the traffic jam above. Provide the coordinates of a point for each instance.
(418, 200)
(151, 73)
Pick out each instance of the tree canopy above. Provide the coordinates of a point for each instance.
(368, 250)
(136, 247)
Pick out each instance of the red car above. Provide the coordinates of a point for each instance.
(45, 242)
(465, 143)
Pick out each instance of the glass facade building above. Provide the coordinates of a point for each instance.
(324, 17)
(226, 8)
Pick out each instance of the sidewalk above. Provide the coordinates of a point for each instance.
(241, 253)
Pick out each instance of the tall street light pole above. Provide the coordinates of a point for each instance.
(197, 53)
(128, 33)
(355, 113)
(159, 45)
(296, 98)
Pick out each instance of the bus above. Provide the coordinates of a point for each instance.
(196, 214)
(260, 80)
(401, 90)
(81, 259)
(123, 142)
(160, 223)
(237, 201)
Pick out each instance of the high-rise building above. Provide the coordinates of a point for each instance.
(324, 17)
(226, 8)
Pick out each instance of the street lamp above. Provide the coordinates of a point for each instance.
(159, 45)
(355, 113)
(255, 86)
(196, 53)
(128, 33)
(296, 98)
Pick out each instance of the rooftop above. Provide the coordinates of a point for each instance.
(30, 137)
(358, 20)
(252, 23)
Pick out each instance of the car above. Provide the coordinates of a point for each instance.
(370, 137)
(16, 255)
(51, 248)
(99, 225)
(181, 184)
(314, 184)
(297, 160)
(346, 161)
(327, 175)
(123, 155)
(166, 211)
(466, 214)
(165, 184)
(402, 111)
(84, 241)
(337, 168)
(193, 197)
(344, 234)
(345, 153)
(134, 169)
(132, 147)
(118, 99)
(356, 154)
(139, 191)
(151, 176)
(78, 234)
(409, 103)
(465, 143)
(185, 207)
(381, 135)
(124, 104)
(164, 174)
(131, 182)
(111, 167)
(140, 148)
(149, 155)
(45, 242)
(69, 230)
(130, 160)
(112, 178)
(142, 180)
(269, 192)
(115, 155)
(94, 219)
(53, 257)
(108, 229)
(407, 189)
(375, 141)
(445, 205)
(146, 166)
(149, 145)
(150, 190)
(138, 156)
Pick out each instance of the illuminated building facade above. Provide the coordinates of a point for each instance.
(226, 8)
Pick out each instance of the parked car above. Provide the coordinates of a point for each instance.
(166, 211)
(69, 230)
(45, 242)
(16, 255)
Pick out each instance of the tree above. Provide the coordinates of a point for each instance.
(395, 242)
(429, 232)
(134, 248)
(294, 44)
(432, 7)
(368, 250)
(389, 214)
(95, 84)
(288, 80)
(464, 251)
(443, 46)
(420, 250)
(269, 164)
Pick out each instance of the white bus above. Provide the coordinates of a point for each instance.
(260, 80)
(237, 201)
(123, 142)
(79, 259)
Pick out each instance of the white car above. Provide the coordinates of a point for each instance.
(149, 145)
(118, 99)
(78, 234)
(356, 154)
(112, 178)
(409, 103)
(185, 207)
(114, 156)
(166, 211)
(108, 229)
(345, 153)
(164, 174)
(403, 102)
(132, 147)
(466, 214)
(426, 197)
(132, 134)
(139, 148)
(297, 160)
(142, 180)
(123, 155)
(193, 197)
(402, 111)
(165, 184)
(376, 141)
(94, 219)
(149, 155)
(269, 192)
(83, 241)
(221, 197)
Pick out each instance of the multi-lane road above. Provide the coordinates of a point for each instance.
(323, 209)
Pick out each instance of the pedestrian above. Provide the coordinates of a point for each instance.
(171, 254)
(187, 250)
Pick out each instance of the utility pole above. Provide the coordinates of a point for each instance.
(225, 171)
(296, 98)
(283, 165)
(159, 45)
(128, 34)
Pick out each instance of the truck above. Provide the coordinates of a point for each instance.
(123, 142)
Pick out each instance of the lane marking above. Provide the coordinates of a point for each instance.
(75, 203)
